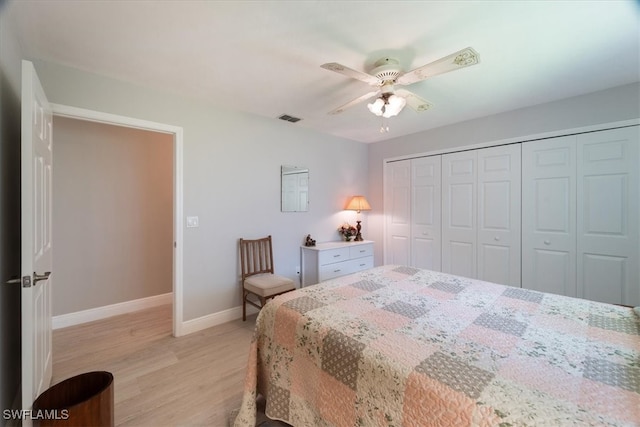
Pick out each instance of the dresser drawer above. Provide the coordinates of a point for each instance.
(338, 269)
(331, 256)
(360, 251)
(361, 263)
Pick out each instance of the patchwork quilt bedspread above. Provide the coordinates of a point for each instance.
(399, 346)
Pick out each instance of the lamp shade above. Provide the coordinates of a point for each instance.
(358, 203)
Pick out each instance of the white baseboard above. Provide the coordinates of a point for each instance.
(70, 319)
(215, 319)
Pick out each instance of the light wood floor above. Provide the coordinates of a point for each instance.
(160, 380)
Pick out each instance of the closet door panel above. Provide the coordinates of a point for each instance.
(553, 271)
(607, 186)
(459, 213)
(397, 199)
(426, 213)
(499, 214)
(461, 258)
(548, 215)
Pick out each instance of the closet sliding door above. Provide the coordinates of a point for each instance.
(459, 213)
(397, 212)
(608, 216)
(499, 214)
(549, 215)
(580, 216)
(425, 212)
(412, 212)
(481, 214)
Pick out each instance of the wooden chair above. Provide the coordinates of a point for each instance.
(258, 279)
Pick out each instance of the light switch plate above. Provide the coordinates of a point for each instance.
(192, 221)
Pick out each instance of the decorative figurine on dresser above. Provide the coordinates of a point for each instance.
(309, 241)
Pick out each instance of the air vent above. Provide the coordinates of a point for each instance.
(289, 118)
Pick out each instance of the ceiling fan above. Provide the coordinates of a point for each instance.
(387, 74)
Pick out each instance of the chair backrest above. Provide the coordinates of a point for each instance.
(256, 256)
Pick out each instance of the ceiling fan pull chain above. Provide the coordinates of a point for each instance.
(383, 128)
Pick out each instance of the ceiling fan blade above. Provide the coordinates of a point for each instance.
(349, 72)
(462, 58)
(354, 102)
(414, 101)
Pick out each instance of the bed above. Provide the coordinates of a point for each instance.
(400, 346)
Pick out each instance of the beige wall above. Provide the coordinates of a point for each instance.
(112, 214)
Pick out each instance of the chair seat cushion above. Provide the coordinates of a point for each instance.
(268, 284)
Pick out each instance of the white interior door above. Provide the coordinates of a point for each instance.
(499, 214)
(459, 216)
(426, 213)
(397, 212)
(36, 166)
(549, 215)
(608, 189)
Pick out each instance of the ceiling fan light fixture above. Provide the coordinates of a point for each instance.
(394, 105)
(376, 107)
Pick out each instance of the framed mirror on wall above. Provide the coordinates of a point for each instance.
(295, 188)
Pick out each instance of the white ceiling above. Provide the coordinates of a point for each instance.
(264, 57)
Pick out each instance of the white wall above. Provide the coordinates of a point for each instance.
(231, 178)
(611, 105)
(112, 214)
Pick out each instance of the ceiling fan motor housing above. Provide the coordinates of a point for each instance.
(386, 70)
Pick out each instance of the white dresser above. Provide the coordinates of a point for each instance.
(333, 259)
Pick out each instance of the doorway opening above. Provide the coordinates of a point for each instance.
(173, 135)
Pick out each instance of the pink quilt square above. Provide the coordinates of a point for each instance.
(305, 377)
(336, 402)
(285, 333)
(539, 375)
(499, 341)
(614, 337)
(349, 292)
(428, 402)
(611, 401)
(386, 320)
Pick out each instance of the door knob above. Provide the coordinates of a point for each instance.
(39, 277)
(25, 281)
